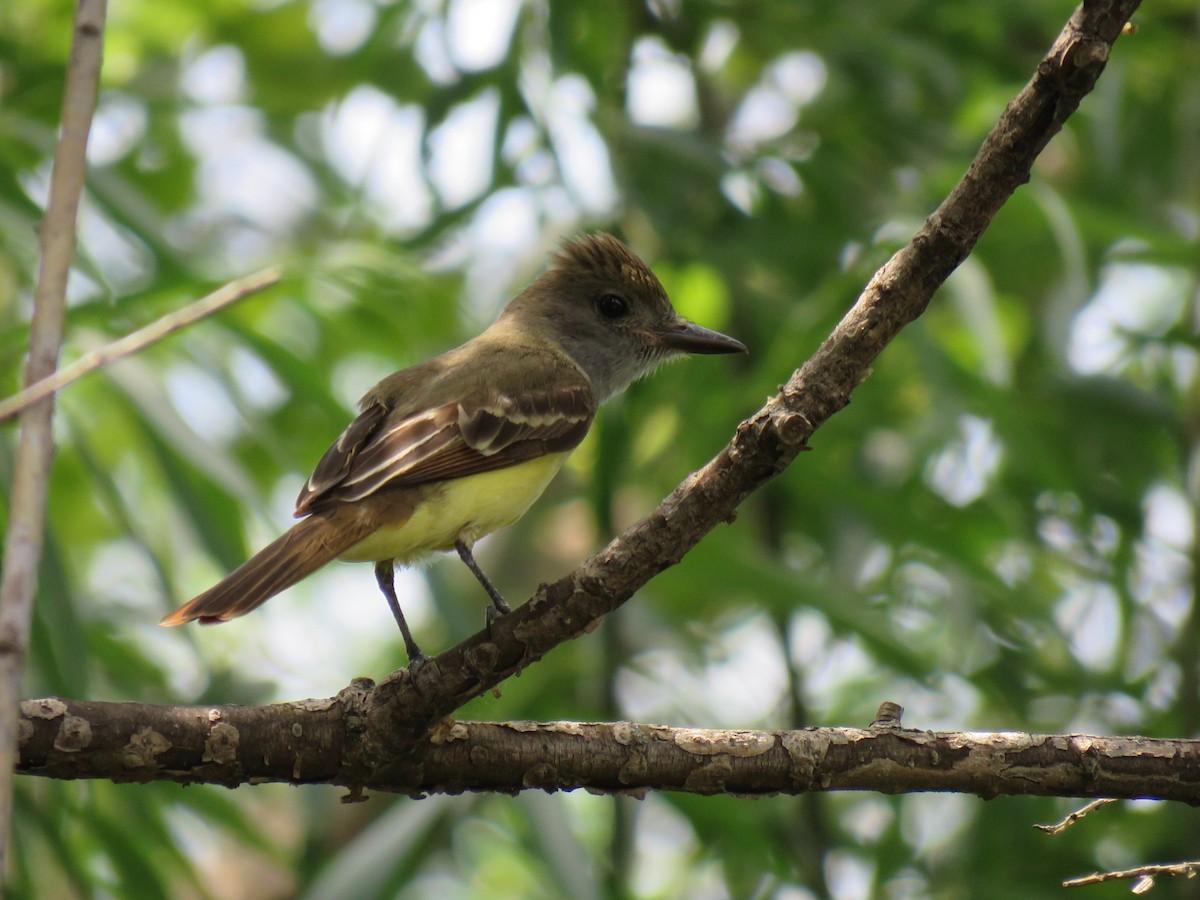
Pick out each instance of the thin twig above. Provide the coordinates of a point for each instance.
(138, 340)
(1144, 873)
(1073, 817)
(35, 446)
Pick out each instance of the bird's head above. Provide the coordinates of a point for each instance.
(604, 307)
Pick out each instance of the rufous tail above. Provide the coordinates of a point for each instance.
(306, 547)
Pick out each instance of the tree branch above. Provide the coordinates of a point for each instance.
(135, 341)
(35, 446)
(767, 442)
(1074, 816)
(1145, 875)
(333, 741)
(374, 735)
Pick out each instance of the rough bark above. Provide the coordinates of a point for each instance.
(331, 741)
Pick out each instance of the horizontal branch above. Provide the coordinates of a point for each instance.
(1145, 875)
(331, 741)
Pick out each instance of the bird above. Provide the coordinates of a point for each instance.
(454, 448)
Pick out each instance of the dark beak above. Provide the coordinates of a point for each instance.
(688, 338)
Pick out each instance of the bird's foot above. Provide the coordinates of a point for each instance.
(494, 613)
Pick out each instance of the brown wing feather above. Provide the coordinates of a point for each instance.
(461, 460)
(450, 441)
(398, 449)
(338, 459)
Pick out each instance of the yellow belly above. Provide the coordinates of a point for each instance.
(468, 507)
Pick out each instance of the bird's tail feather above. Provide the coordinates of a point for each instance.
(306, 547)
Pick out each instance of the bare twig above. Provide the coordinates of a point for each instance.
(35, 446)
(1073, 817)
(157, 330)
(1144, 874)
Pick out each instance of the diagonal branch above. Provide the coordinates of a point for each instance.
(767, 442)
(211, 303)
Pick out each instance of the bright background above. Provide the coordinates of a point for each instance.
(1000, 532)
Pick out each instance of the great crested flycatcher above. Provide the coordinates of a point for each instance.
(454, 448)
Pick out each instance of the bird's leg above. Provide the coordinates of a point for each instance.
(384, 574)
(499, 607)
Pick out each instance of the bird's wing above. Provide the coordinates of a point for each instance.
(449, 441)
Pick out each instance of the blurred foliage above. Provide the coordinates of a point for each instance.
(1000, 532)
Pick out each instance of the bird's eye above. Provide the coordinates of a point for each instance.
(612, 307)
